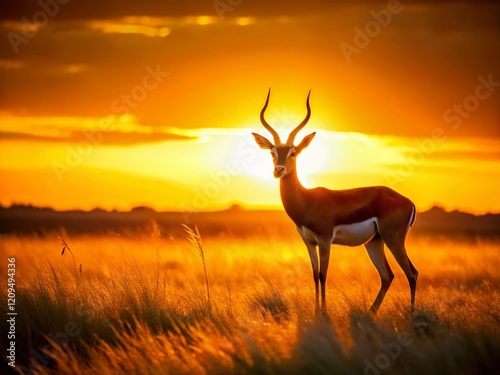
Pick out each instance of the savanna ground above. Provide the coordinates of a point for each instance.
(139, 305)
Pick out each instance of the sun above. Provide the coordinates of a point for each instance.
(261, 166)
(318, 158)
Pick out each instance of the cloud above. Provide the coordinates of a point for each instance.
(467, 155)
(132, 25)
(11, 64)
(13, 136)
(108, 138)
(154, 26)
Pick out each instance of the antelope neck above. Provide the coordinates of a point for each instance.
(293, 196)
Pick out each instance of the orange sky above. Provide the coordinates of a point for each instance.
(117, 104)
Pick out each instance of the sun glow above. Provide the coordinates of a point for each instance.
(219, 166)
(318, 157)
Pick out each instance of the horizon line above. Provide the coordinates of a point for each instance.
(230, 208)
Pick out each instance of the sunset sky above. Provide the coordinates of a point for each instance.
(116, 103)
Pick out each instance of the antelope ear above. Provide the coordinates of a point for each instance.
(263, 142)
(305, 142)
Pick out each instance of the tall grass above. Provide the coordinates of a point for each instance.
(141, 306)
(194, 238)
(66, 247)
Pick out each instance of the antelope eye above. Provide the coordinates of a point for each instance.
(293, 154)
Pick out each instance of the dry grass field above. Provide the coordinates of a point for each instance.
(139, 305)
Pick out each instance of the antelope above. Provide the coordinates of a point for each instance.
(369, 216)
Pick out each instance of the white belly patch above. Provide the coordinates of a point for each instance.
(355, 234)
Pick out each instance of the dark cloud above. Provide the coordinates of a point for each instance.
(109, 138)
(102, 9)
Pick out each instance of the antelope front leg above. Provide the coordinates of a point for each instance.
(324, 258)
(313, 254)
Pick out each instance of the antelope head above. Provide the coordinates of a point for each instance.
(284, 155)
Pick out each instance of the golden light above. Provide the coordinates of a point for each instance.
(75, 68)
(245, 21)
(163, 32)
(205, 20)
(129, 27)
